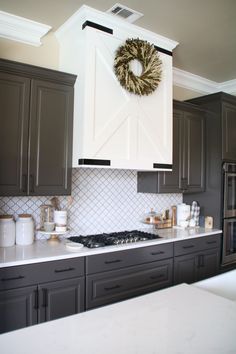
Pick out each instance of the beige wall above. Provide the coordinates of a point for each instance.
(47, 55)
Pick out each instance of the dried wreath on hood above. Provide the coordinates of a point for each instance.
(147, 55)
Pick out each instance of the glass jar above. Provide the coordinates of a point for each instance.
(46, 214)
(7, 231)
(24, 230)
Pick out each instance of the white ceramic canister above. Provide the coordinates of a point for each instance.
(24, 230)
(60, 220)
(183, 213)
(7, 231)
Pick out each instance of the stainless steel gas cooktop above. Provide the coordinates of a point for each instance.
(115, 238)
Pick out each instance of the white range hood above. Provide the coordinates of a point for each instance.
(112, 127)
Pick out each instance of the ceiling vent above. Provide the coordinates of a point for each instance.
(124, 12)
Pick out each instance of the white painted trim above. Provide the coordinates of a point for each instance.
(199, 84)
(88, 13)
(21, 29)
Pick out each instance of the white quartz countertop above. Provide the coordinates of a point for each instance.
(222, 284)
(178, 320)
(44, 251)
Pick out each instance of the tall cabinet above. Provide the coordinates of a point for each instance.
(221, 146)
(36, 130)
(188, 174)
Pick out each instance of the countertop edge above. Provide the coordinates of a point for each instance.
(60, 251)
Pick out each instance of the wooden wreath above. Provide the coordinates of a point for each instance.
(148, 56)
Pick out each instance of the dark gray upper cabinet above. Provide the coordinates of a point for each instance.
(220, 146)
(188, 174)
(36, 130)
(229, 130)
(223, 106)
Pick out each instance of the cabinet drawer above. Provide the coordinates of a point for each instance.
(196, 244)
(121, 284)
(117, 260)
(19, 276)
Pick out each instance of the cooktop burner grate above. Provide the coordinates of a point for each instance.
(115, 238)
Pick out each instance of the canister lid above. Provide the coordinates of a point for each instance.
(6, 217)
(25, 216)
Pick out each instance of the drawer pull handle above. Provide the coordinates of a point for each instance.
(64, 270)
(45, 297)
(211, 242)
(36, 300)
(113, 287)
(13, 278)
(159, 276)
(190, 246)
(115, 261)
(157, 253)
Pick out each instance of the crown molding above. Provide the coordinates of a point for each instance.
(199, 84)
(21, 29)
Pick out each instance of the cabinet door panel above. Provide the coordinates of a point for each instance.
(209, 264)
(60, 299)
(117, 260)
(185, 268)
(229, 132)
(194, 152)
(109, 287)
(18, 308)
(50, 138)
(170, 182)
(14, 103)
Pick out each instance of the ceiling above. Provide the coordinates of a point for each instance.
(205, 29)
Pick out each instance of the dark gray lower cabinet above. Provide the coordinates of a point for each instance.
(40, 292)
(46, 291)
(190, 266)
(121, 275)
(18, 308)
(109, 287)
(61, 298)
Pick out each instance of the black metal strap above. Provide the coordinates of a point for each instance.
(163, 165)
(97, 26)
(94, 162)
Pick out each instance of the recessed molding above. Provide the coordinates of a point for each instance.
(199, 84)
(21, 29)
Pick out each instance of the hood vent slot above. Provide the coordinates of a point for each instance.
(124, 12)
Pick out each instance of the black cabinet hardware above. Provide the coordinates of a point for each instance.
(112, 287)
(111, 262)
(24, 183)
(187, 247)
(210, 242)
(45, 297)
(13, 278)
(157, 253)
(64, 270)
(36, 300)
(159, 276)
(31, 184)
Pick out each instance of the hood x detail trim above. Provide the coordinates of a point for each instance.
(163, 165)
(97, 26)
(94, 162)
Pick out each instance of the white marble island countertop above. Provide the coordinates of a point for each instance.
(178, 320)
(43, 251)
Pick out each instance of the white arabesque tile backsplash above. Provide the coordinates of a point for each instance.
(104, 200)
